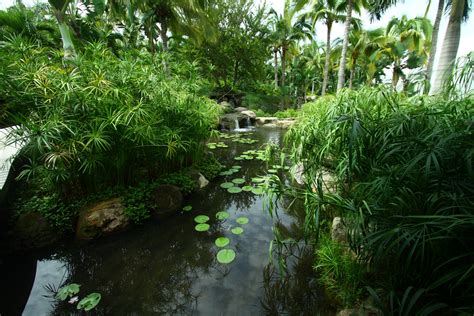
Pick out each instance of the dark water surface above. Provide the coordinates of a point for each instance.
(168, 268)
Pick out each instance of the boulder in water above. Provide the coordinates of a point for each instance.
(32, 231)
(250, 114)
(167, 199)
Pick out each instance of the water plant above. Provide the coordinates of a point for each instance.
(222, 242)
(237, 230)
(242, 220)
(89, 302)
(225, 256)
(201, 219)
(226, 185)
(222, 215)
(234, 190)
(202, 227)
(187, 208)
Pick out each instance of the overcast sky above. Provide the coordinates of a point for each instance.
(411, 8)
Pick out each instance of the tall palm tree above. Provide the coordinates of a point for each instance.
(459, 12)
(59, 9)
(434, 42)
(351, 5)
(328, 11)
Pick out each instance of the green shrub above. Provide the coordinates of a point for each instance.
(209, 167)
(288, 113)
(137, 203)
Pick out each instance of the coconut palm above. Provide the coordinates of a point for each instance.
(434, 42)
(351, 5)
(330, 12)
(59, 9)
(288, 32)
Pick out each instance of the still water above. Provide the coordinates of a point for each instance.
(168, 268)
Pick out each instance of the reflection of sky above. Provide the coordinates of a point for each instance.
(50, 272)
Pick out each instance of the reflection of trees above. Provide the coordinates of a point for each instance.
(147, 272)
(295, 293)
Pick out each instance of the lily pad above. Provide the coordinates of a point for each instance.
(233, 170)
(222, 242)
(225, 173)
(227, 185)
(242, 220)
(202, 227)
(238, 158)
(247, 188)
(226, 256)
(187, 208)
(89, 302)
(234, 190)
(201, 219)
(236, 167)
(238, 180)
(68, 291)
(237, 230)
(222, 215)
(258, 180)
(257, 191)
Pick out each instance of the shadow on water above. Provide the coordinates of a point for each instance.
(169, 268)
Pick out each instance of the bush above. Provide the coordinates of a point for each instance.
(405, 176)
(106, 121)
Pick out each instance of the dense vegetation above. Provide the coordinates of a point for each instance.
(118, 97)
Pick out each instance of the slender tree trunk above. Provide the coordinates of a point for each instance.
(450, 46)
(351, 77)
(236, 69)
(68, 45)
(395, 77)
(328, 58)
(434, 45)
(164, 36)
(312, 87)
(151, 41)
(283, 66)
(345, 43)
(275, 61)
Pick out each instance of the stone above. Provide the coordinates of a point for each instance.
(199, 179)
(266, 120)
(226, 107)
(250, 114)
(32, 231)
(167, 199)
(339, 231)
(286, 123)
(240, 109)
(101, 219)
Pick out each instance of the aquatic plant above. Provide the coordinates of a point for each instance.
(225, 256)
(222, 242)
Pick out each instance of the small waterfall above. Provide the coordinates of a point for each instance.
(237, 126)
(247, 122)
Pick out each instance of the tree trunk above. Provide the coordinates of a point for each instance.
(327, 59)
(450, 46)
(351, 77)
(283, 66)
(434, 44)
(149, 34)
(395, 77)
(345, 43)
(68, 45)
(164, 36)
(275, 60)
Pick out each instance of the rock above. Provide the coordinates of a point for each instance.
(235, 120)
(199, 179)
(266, 120)
(349, 312)
(339, 231)
(250, 114)
(270, 125)
(362, 311)
(297, 172)
(240, 109)
(103, 218)
(168, 199)
(226, 107)
(286, 123)
(32, 231)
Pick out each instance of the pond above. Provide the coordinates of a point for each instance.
(168, 267)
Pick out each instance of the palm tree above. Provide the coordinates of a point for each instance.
(288, 32)
(434, 42)
(459, 12)
(59, 9)
(328, 11)
(351, 5)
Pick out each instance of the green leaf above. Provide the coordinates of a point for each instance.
(68, 291)
(258, 179)
(234, 190)
(238, 180)
(247, 188)
(227, 185)
(89, 302)
(187, 208)
(237, 230)
(222, 242)
(202, 227)
(201, 219)
(257, 191)
(242, 220)
(226, 256)
(222, 215)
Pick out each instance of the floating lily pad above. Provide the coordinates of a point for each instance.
(242, 220)
(257, 191)
(233, 170)
(247, 188)
(234, 190)
(227, 185)
(201, 219)
(222, 215)
(237, 230)
(202, 227)
(187, 208)
(89, 302)
(68, 291)
(225, 173)
(222, 242)
(236, 167)
(226, 256)
(238, 180)
(258, 180)
(238, 158)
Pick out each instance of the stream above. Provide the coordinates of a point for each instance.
(167, 267)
